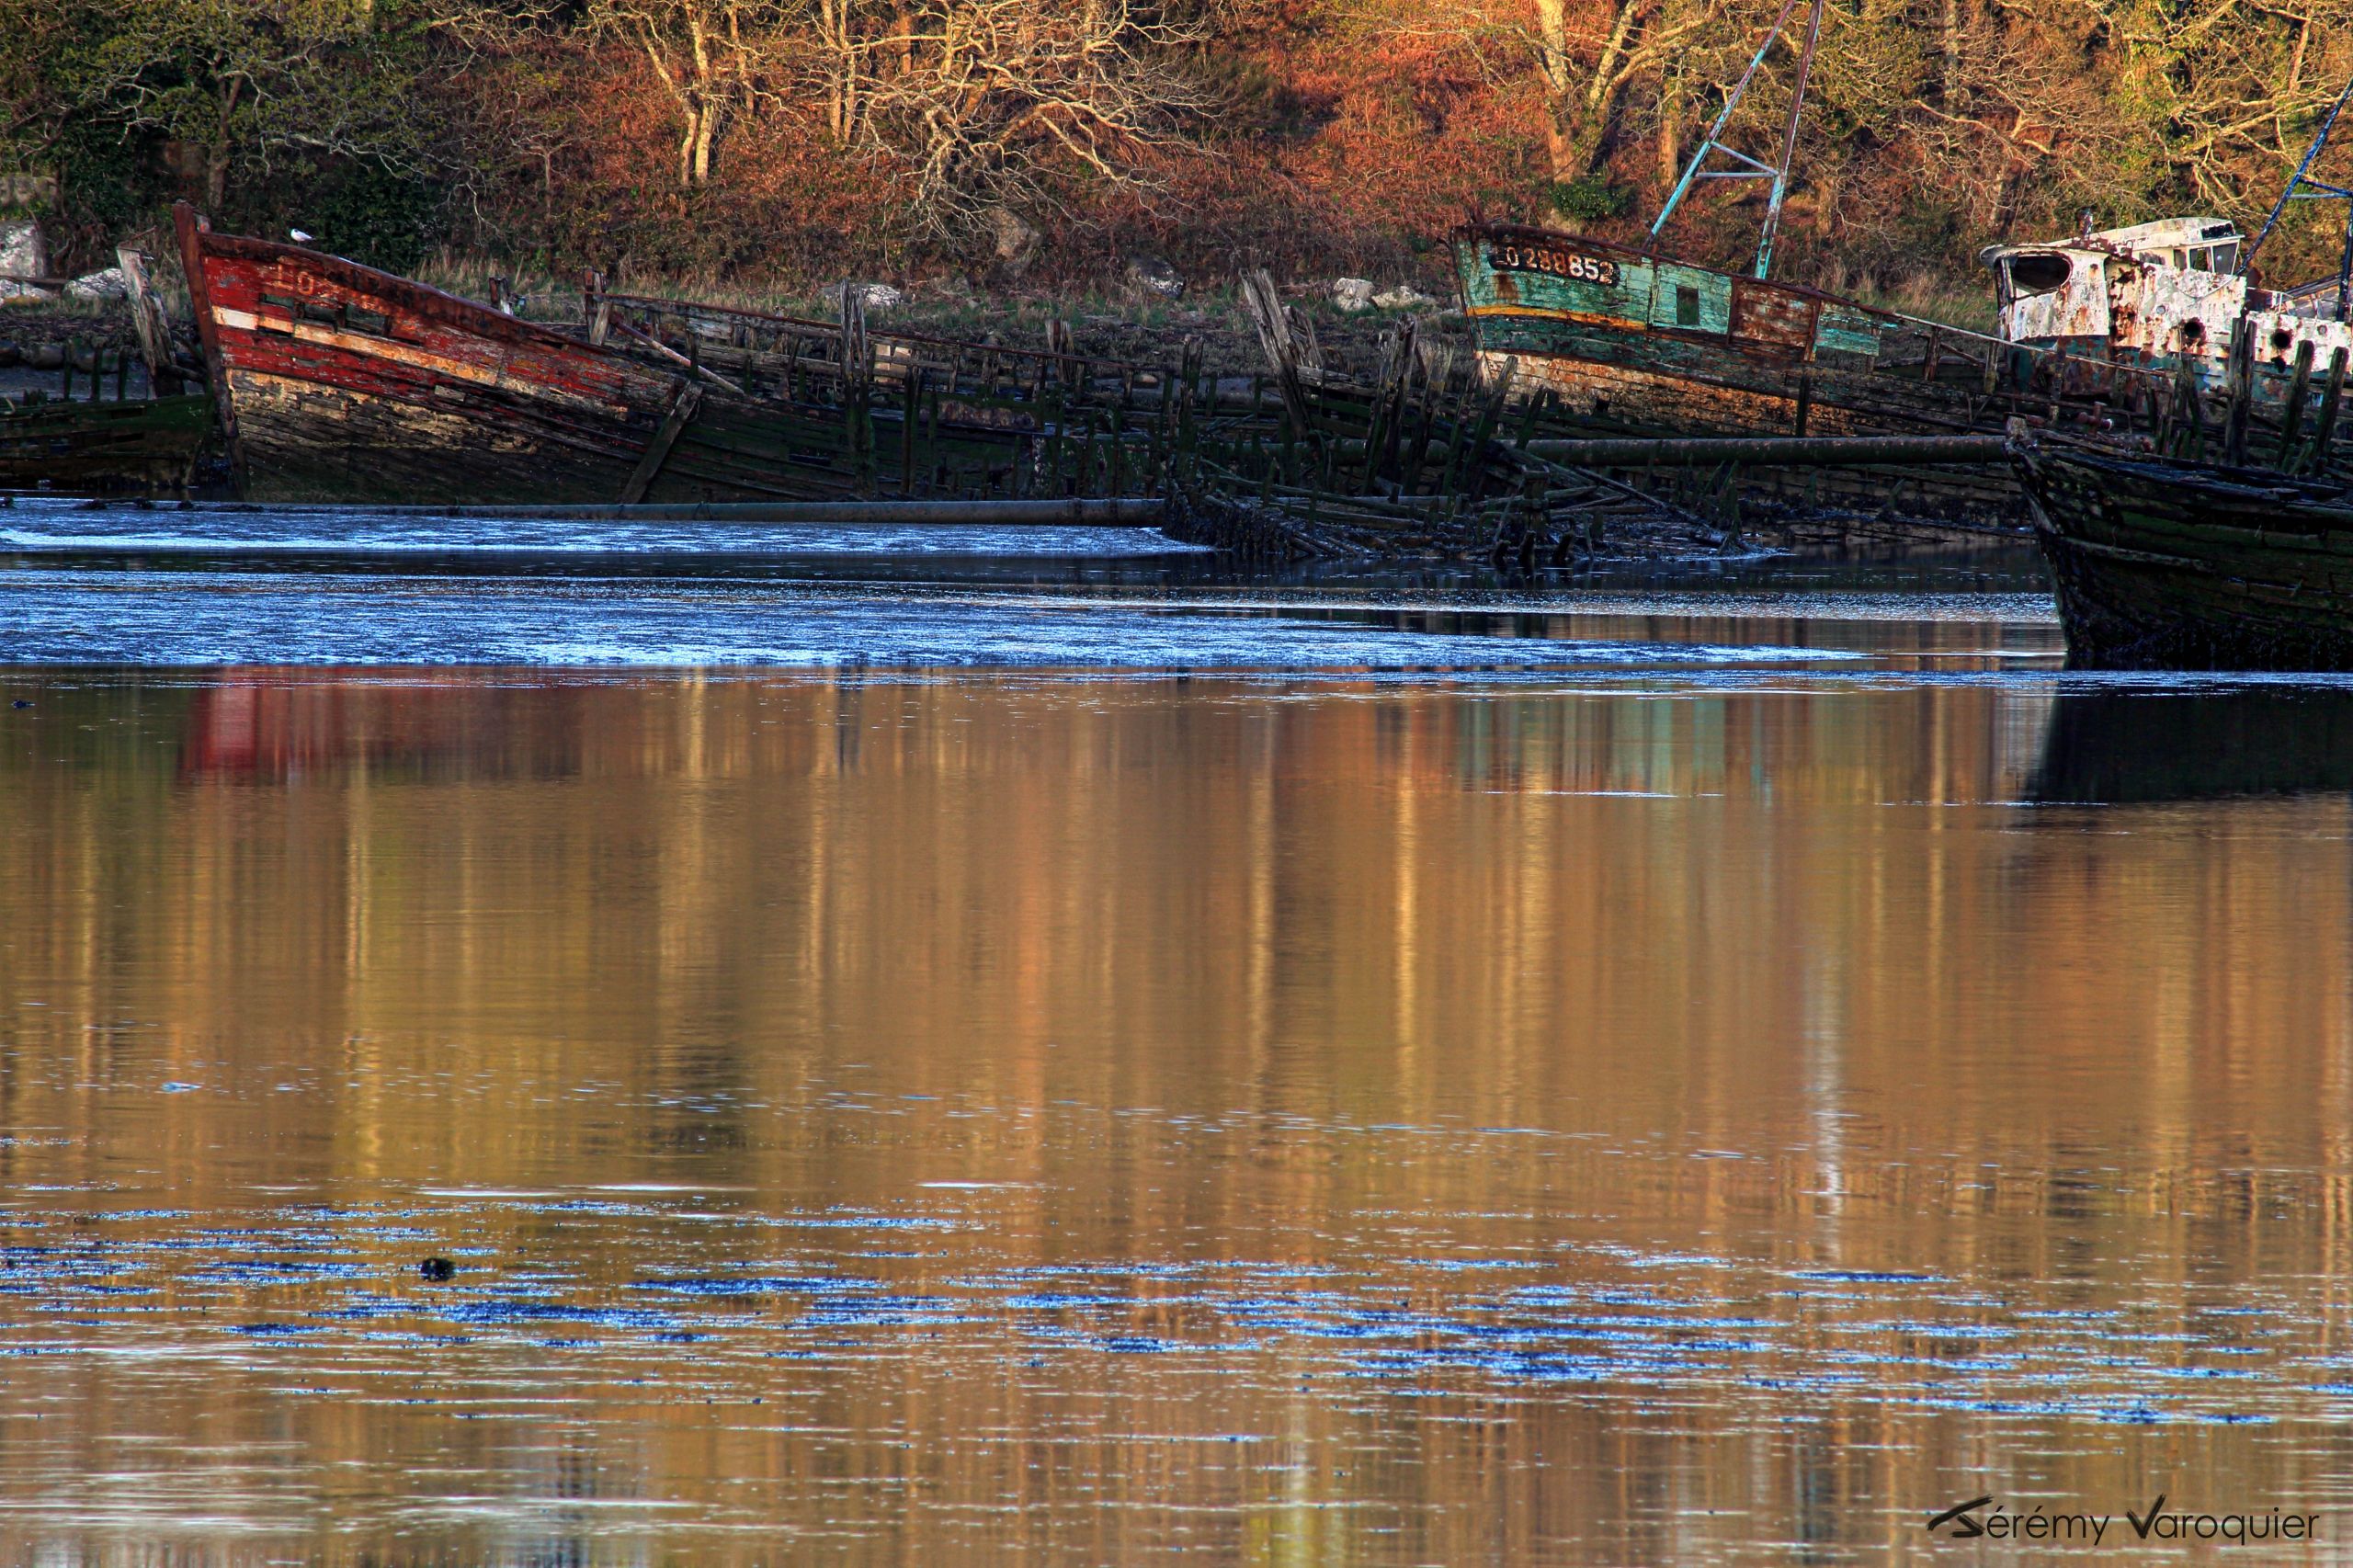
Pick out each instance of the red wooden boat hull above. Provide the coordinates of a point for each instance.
(337, 382)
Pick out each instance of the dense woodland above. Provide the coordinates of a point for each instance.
(1044, 142)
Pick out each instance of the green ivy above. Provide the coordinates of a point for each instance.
(376, 217)
(1590, 199)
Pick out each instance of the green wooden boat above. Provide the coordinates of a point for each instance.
(2162, 564)
(143, 447)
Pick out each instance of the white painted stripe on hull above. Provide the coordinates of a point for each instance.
(416, 359)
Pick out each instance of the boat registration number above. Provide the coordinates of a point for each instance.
(1552, 259)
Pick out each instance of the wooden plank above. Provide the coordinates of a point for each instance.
(1810, 451)
(1039, 512)
(147, 322)
(657, 451)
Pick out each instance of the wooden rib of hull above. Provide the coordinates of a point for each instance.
(2170, 565)
(1618, 395)
(143, 447)
(304, 438)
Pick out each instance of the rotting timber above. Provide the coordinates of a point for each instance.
(339, 384)
(128, 447)
(2165, 563)
(1432, 454)
(80, 442)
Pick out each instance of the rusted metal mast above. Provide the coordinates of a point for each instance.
(1789, 143)
(2300, 187)
(1754, 168)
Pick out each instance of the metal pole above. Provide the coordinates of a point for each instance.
(1789, 143)
(2345, 265)
(1708, 144)
(1039, 512)
(2319, 142)
(1791, 451)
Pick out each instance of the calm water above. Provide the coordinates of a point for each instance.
(1687, 1081)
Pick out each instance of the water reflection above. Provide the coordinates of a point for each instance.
(2170, 745)
(1289, 1120)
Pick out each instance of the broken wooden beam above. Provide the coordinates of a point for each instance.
(1041, 511)
(1789, 452)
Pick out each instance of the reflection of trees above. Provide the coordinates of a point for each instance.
(1166, 954)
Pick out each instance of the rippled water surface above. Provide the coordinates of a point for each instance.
(1616, 1077)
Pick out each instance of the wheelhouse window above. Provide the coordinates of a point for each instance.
(2037, 272)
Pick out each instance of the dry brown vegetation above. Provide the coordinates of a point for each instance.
(1036, 143)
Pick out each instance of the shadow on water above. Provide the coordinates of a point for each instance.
(2122, 747)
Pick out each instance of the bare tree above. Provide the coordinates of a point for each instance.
(1587, 69)
(987, 104)
(706, 54)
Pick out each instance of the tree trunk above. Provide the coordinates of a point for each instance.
(1552, 65)
(1950, 88)
(706, 128)
(841, 70)
(1578, 123)
(1670, 136)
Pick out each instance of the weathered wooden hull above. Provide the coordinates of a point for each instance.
(150, 447)
(339, 384)
(2172, 566)
(1645, 345)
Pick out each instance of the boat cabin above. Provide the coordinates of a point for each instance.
(2154, 293)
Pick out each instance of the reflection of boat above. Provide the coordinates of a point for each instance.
(144, 446)
(252, 725)
(2121, 746)
(2168, 564)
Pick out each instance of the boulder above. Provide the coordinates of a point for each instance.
(1405, 297)
(108, 285)
(11, 354)
(1353, 294)
(1155, 276)
(878, 296)
(47, 356)
(1015, 240)
(24, 249)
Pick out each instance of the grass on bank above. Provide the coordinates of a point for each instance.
(1121, 322)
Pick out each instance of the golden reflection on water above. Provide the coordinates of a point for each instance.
(1304, 1122)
